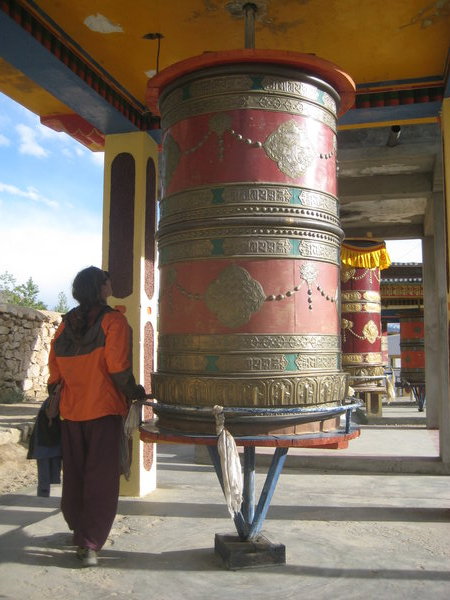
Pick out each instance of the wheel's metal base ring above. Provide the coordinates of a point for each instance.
(233, 414)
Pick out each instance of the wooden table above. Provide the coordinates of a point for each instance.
(369, 389)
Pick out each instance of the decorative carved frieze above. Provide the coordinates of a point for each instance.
(239, 241)
(241, 101)
(361, 358)
(317, 390)
(180, 343)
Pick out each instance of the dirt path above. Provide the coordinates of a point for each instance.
(16, 471)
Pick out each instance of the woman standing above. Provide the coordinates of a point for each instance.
(90, 354)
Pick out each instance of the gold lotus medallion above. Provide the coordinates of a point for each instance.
(234, 296)
(290, 148)
(370, 332)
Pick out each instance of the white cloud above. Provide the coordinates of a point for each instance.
(51, 218)
(29, 143)
(31, 193)
(4, 141)
(98, 158)
(404, 250)
(49, 251)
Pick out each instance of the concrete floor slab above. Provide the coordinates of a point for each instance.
(347, 536)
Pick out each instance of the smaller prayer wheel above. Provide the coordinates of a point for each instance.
(384, 349)
(412, 349)
(362, 261)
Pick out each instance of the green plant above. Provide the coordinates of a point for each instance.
(62, 305)
(12, 396)
(25, 294)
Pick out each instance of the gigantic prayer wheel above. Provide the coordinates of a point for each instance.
(412, 349)
(249, 235)
(362, 261)
(385, 349)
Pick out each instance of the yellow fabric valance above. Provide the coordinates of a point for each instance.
(365, 257)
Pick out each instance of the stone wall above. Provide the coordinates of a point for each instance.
(25, 335)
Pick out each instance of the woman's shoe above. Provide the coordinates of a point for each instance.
(87, 556)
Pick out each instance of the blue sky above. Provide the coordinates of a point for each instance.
(51, 195)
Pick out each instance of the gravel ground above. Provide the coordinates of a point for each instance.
(16, 471)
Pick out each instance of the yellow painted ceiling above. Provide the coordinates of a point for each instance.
(373, 40)
(13, 83)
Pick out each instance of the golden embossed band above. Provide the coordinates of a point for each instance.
(356, 296)
(299, 89)
(247, 363)
(294, 214)
(350, 296)
(366, 370)
(361, 307)
(352, 359)
(371, 296)
(351, 307)
(263, 247)
(225, 84)
(244, 342)
(252, 101)
(316, 250)
(362, 358)
(262, 200)
(251, 391)
(249, 241)
(297, 233)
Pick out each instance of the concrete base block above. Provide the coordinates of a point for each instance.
(258, 552)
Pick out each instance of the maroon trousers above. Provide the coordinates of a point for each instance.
(91, 474)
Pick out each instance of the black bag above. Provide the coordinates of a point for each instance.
(52, 403)
(45, 436)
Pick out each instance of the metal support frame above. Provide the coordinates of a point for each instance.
(249, 520)
(418, 390)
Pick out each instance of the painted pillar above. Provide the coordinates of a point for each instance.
(442, 248)
(384, 349)
(362, 261)
(431, 322)
(129, 222)
(412, 349)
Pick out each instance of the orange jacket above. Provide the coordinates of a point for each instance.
(96, 369)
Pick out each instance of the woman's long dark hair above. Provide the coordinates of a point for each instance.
(86, 290)
(87, 287)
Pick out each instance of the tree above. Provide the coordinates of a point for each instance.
(62, 305)
(28, 293)
(7, 286)
(25, 294)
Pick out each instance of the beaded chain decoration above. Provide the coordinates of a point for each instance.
(370, 331)
(288, 146)
(234, 296)
(348, 273)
